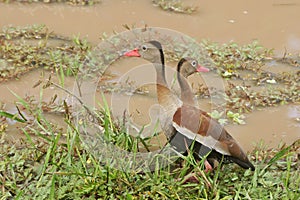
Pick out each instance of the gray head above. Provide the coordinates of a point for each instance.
(188, 66)
(151, 51)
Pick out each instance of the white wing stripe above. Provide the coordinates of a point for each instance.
(207, 141)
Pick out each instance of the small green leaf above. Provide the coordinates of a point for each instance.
(12, 116)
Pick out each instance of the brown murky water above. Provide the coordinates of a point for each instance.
(273, 22)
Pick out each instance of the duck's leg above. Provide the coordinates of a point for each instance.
(208, 167)
(193, 178)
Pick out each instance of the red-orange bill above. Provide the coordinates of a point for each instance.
(202, 69)
(132, 53)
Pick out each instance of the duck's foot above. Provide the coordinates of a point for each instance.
(193, 177)
(190, 178)
(208, 167)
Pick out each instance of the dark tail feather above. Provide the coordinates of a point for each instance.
(244, 164)
(181, 143)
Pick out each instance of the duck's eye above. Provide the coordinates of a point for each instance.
(144, 47)
(194, 63)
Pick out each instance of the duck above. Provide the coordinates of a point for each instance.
(186, 67)
(169, 102)
(181, 118)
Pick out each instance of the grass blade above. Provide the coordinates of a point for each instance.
(11, 116)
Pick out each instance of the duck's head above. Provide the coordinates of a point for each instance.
(188, 66)
(150, 51)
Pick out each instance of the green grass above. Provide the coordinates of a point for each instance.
(53, 163)
(56, 167)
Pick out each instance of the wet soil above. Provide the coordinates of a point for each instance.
(273, 23)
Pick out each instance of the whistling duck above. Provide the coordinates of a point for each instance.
(214, 137)
(185, 119)
(152, 51)
(185, 68)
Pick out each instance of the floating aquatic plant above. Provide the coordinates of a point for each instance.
(69, 2)
(174, 6)
(22, 50)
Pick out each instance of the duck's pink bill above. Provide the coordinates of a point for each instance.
(202, 69)
(132, 53)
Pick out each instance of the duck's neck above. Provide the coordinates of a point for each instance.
(160, 75)
(167, 100)
(187, 97)
(164, 95)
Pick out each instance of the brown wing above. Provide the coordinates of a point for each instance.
(190, 120)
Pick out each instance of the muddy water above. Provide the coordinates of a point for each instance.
(24, 87)
(273, 22)
(269, 126)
